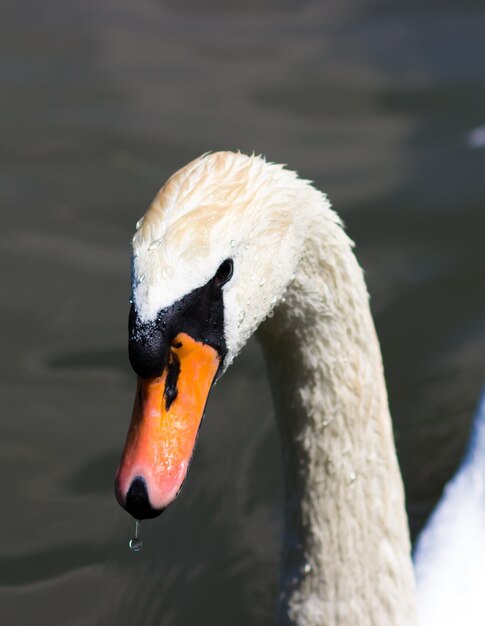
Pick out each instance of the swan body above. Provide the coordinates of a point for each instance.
(450, 552)
(346, 555)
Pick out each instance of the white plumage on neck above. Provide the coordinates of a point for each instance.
(346, 559)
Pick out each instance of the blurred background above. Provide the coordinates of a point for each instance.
(381, 104)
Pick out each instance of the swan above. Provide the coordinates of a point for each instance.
(230, 245)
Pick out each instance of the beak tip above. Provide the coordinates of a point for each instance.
(137, 501)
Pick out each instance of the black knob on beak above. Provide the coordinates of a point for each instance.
(147, 346)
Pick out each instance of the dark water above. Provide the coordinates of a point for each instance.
(100, 102)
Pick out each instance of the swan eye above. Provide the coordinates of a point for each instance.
(224, 273)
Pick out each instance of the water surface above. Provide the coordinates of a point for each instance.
(100, 103)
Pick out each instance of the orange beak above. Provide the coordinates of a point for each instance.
(166, 417)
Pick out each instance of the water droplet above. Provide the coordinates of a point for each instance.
(233, 243)
(140, 222)
(141, 279)
(135, 543)
(352, 477)
(307, 568)
(154, 244)
(262, 282)
(241, 317)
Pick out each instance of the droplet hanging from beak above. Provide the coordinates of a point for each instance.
(136, 543)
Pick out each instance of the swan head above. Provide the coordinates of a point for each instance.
(211, 258)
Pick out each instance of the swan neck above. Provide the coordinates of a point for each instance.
(346, 555)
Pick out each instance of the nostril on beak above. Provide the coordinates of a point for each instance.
(137, 501)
